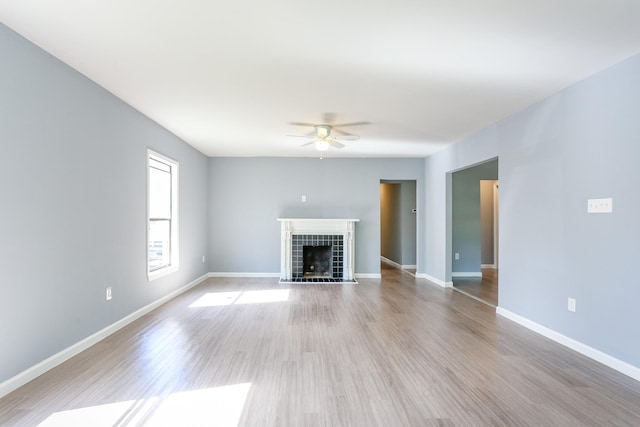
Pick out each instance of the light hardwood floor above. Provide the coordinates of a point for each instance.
(392, 352)
(484, 288)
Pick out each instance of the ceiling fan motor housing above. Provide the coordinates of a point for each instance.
(322, 131)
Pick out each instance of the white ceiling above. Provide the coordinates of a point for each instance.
(228, 76)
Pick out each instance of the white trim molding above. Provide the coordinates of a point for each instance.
(396, 265)
(434, 280)
(277, 275)
(466, 274)
(390, 262)
(245, 275)
(368, 276)
(590, 352)
(62, 356)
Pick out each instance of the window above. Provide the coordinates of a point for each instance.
(162, 215)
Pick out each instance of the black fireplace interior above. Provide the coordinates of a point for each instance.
(317, 261)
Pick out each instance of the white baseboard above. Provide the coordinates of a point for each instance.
(434, 280)
(590, 352)
(491, 266)
(277, 275)
(466, 274)
(396, 265)
(390, 262)
(246, 275)
(368, 276)
(35, 371)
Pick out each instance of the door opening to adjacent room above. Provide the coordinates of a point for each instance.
(474, 231)
(398, 231)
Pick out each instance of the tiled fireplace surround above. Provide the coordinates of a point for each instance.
(297, 233)
(299, 241)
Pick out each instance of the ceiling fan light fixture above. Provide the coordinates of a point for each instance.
(322, 131)
(322, 145)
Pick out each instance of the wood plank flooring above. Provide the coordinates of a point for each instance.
(484, 288)
(391, 352)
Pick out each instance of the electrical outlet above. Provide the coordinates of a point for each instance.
(108, 294)
(571, 305)
(203, 258)
(304, 198)
(457, 255)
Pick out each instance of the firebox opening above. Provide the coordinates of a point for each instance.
(317, 261)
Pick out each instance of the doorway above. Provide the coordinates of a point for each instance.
(398, 228)
(475, 231)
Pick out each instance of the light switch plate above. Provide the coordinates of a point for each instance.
(600, 205)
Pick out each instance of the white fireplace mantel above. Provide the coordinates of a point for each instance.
(317, 226)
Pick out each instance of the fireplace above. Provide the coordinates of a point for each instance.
(317, 250)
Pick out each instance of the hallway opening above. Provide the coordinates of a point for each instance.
(398, 228)
(474, 231)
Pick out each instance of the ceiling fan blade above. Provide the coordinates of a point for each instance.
(308, 143)
(302, 124)
(352, 124)
(334, 143)
(311, 134)
(341, 132)
(347, 137)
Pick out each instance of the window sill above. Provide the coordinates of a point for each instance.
(153, 275)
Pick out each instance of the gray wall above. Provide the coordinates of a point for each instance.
(466, 215)
(73, 209)
(581, 143)
(247, 195)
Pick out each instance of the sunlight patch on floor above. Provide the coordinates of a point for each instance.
(213, 299)
(219, 406)
(256, 297)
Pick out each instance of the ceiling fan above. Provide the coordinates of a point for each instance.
(323, 138)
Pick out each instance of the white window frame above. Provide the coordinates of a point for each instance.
(174, 243)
